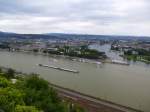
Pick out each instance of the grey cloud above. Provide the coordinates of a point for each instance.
(77, 16)
(15, 7)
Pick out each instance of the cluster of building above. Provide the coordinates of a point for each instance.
(42, 44)
(130, 45)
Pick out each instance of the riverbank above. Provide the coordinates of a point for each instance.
(72, 58)
(90, 103)
(136, 58)
(77, 59)
(108, 81)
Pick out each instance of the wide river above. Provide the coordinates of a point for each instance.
(126, 85)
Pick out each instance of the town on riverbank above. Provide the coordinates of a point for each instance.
(131, 50)
(73, 63)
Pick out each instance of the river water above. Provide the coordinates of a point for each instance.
(114, 55)
(126, 85)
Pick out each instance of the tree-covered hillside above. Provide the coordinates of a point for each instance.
(30, 94)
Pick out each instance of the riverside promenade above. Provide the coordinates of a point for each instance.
(90, 103)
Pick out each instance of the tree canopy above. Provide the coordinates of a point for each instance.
(29, 94)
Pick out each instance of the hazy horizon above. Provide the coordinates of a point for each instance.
(93, 17)
(78, 34)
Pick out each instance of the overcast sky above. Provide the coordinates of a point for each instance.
(119, 17)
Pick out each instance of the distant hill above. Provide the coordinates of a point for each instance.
(8, 35)
(98, 37)
(63, 36)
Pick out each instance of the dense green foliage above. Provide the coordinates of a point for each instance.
(82, 52)
(20, 108)
(41, 95)
(4, 46)
(29, 94)
(140, 55)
